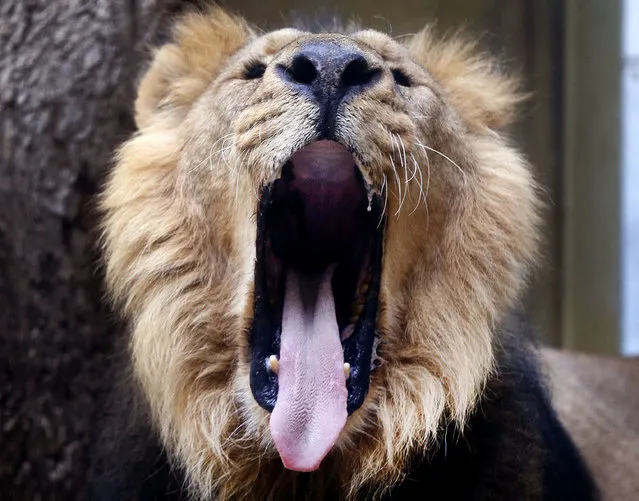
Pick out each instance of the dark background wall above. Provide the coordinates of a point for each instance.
(67, 78)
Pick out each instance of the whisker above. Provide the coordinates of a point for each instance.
(414, 173)
(390, 26)
(397, 181)
(419, 195)
(422, 195)
(403, 149)
(427, 187)
(223, 151)
(224, 148)
(384, 185)
(427, 174)
(399, 186)
(208, 158)
(401, 37)
(405, 165)
(423, 146)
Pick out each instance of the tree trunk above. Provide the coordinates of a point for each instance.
(67, 75)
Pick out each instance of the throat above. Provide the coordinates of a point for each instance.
(307, 286)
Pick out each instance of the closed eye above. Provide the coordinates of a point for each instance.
(254, 70)
(401, 78)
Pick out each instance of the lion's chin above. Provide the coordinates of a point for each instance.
(317, 279)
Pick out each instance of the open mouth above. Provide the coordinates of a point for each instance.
(317, 279)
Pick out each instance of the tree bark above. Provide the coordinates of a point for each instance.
(68, 70)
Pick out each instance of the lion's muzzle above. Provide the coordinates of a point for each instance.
(329, 72)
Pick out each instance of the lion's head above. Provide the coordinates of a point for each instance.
(313, 237)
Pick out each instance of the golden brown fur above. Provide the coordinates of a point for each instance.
(179, 237)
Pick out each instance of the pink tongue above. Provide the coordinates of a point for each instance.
(310, 410)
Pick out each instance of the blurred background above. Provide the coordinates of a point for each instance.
(68, 70)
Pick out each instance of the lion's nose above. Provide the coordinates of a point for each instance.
(328, 72)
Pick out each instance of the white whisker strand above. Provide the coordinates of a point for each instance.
(390, 26)
(208, 159)
(401, 141)
(461, 171)
(425, 193)
(427, 174)
(397, 181)
(224, 146)
(399, 186)
(384, 185)
(223, 151)
(405, 166)
(419, 183)
(421, 194)
(404, 36)
(414, 173)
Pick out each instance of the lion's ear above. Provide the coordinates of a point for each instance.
(479, 89)
(182, 70)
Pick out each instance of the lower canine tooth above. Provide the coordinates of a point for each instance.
(274, 364)
(347, 370)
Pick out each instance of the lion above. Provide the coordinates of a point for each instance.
(318, 241)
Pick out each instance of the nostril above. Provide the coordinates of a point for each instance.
(358, 72)
(302, 70)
